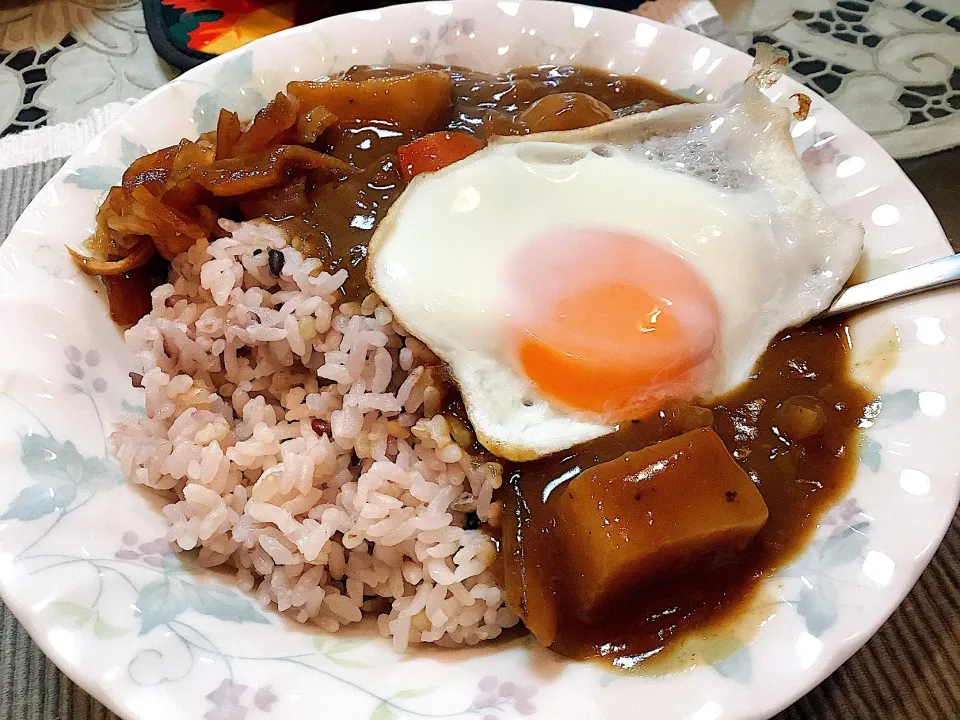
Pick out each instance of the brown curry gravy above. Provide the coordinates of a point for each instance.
(344, 215)
(799, 481)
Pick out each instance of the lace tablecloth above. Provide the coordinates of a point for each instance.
(60, 59)
(893, 66)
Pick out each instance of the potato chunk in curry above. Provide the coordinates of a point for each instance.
(652, 513)
(416, 100)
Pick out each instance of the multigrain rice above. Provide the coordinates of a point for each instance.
(300, 443)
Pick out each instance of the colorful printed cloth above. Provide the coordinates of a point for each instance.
(187, 32)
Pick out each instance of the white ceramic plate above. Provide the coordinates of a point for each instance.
(155, 638)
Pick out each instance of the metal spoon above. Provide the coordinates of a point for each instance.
(912, 281)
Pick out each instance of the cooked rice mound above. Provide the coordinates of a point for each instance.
(300, 442)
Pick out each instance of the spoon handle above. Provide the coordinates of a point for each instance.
(918, 279)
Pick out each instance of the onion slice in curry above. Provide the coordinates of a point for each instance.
(139, 256)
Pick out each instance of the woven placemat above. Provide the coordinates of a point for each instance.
(909, 671)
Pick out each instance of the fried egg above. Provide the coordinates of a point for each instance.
(573, 280)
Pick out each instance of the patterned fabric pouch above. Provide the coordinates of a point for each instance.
(187, 32)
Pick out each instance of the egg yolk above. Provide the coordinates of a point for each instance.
(610, 322)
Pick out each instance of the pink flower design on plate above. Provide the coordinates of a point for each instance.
(495, 695)
(80, 364)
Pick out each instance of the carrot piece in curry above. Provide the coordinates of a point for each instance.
(435, 151)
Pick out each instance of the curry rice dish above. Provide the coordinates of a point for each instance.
(317, 438)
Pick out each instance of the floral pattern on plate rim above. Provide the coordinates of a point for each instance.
(176, 606)
(165, 594)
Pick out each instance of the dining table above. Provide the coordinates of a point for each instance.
(69, 67)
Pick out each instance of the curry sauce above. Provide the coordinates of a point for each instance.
(799, 478)
(342, 218)
(327, 178)
(792, 427)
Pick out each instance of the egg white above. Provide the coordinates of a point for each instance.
(719, 185)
